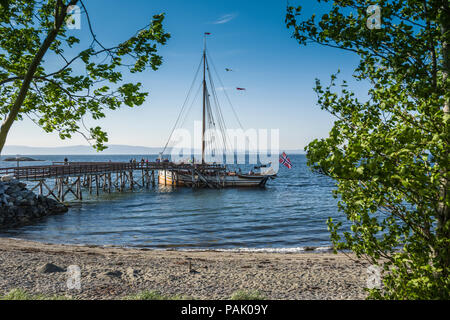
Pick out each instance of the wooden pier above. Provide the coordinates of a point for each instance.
(61, 179)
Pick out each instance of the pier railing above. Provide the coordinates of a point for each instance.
(73, 169)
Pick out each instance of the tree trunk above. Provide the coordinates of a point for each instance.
(443, 230)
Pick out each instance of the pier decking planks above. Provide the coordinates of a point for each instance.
(104, 176)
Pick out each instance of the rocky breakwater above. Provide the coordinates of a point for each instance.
(20, 206)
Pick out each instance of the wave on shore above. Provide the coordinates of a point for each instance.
(309, 249)
(277, 250)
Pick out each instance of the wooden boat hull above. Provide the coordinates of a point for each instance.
(166, 177)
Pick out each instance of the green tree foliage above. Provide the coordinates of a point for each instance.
(48, 75)
(389, 153)
(4, 3)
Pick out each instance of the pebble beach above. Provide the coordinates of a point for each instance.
(110, 273)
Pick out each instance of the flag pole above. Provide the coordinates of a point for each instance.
(204, 100)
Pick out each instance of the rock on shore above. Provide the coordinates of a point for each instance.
(20, 206)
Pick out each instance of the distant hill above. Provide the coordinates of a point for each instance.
(295, 151)
(114, 149)
(78, 150)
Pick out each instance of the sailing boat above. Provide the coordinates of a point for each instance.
(212, 175)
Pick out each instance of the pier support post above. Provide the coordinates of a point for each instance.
(90, 183)
(97, 184)
(147, 179)
(80, 195)
(131, 180)
(61, 189)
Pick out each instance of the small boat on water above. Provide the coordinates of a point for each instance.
(204, 174)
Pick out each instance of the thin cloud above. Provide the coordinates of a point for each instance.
(225, 18)
(223, 88)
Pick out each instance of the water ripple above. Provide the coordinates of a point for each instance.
(289, 214)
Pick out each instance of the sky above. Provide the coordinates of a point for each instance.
(248, 36)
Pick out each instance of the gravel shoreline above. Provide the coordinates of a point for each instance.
(114, 273)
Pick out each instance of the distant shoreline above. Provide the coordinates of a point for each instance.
(81, 150)
(114, 273)
(21, 159)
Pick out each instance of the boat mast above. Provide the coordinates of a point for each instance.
(204, 102)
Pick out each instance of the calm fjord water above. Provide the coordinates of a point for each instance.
(288, 215)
